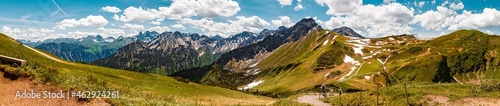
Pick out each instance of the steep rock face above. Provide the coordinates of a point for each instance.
(228, 70)
(165, 54)
(170, 52)
(346, 31)
(146, 36)
(272, 42)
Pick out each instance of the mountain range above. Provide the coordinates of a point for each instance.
(305, 56)
(291, 60)
(87, 49)
(174, 51)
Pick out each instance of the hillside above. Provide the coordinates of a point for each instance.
(135, 88)
(292, 61)
(464, 54)
(231, 69)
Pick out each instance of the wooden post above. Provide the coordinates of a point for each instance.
(406, 94)
(376, 103)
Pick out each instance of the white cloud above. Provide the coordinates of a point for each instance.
(88, 21)
(210, 27)
(285, 2)
(178, 26)
(447, 18)
(385, 19)
(283, 21)
(159, 29)
(93, 21)
(28, 33)
(133, 27)
(155, 22)
(434, 20)
(457, 6)
(468, 20)
(136, 14)
(67, 23)
(111, 9)
(253, 23)
(298, 7)
(216, 8)
(433, 2)
(42, 30)
(340, 7)
(10, 31)
(111, 32)
(79, 34)
(388, 1)
(181, 9)
(421, 4)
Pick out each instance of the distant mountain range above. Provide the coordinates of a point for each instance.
(170, 52)
(87, 49)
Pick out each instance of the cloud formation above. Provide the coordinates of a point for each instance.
(181, 9)
(111, 9)
(283, 21)
(210, 27)
(90, 20)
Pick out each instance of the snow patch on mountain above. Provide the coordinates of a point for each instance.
(255, 64)
(349, 59)
(367, 77)
(358, 49)
(251, 85)
(109, 40)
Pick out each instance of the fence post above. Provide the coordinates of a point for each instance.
(406, 94)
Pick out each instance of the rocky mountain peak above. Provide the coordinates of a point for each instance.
(306, 22)
(346, 31)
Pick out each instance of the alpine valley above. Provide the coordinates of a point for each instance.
(289, 62)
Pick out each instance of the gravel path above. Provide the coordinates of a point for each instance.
(48, 56)
(312, 99)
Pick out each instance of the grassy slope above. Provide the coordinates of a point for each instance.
(412, 62)
(135, 88)
(305, 53)
(395, 95)
(470, 55)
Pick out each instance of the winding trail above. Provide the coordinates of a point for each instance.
(46, 55)
(312, 99)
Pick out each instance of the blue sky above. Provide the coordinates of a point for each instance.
(43, 19)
